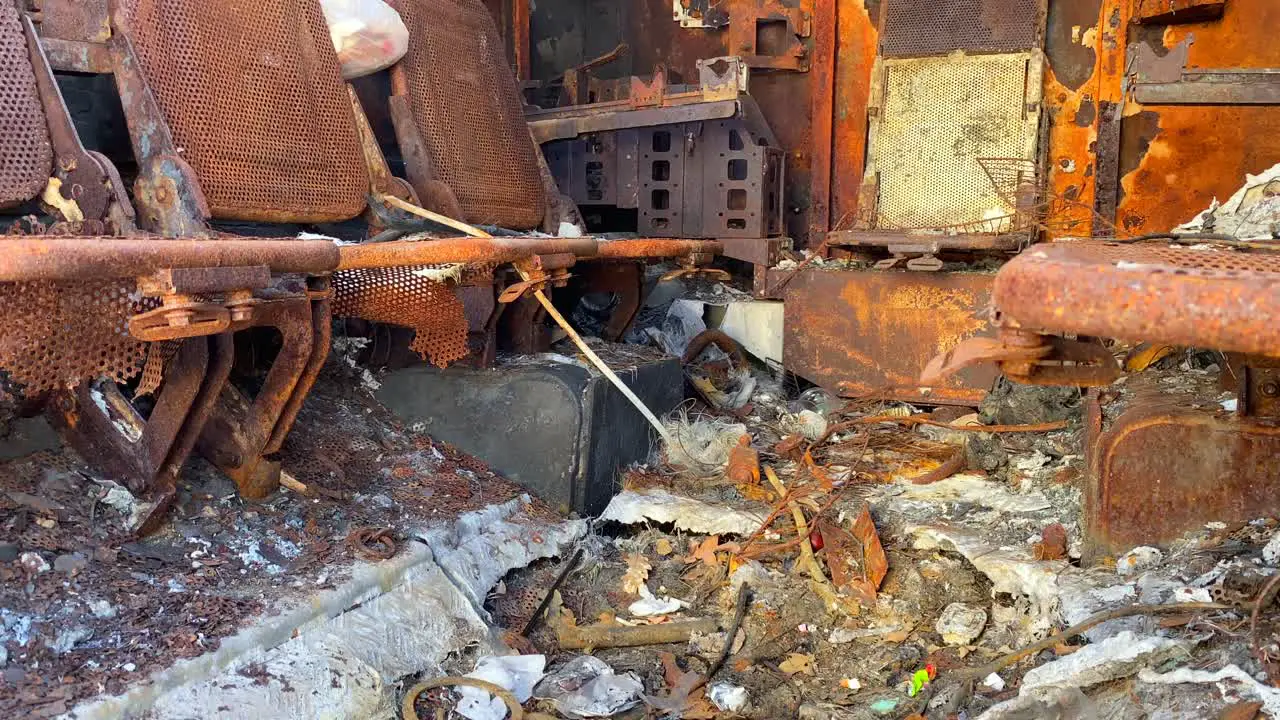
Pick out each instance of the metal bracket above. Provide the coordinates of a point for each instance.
(1030, 359)
(722, 78)
(146, 454)
(91, 180)
(243, 433)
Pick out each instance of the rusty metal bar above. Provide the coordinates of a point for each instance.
(1190, 297)
(521, 48)
(81, 57)
(564, 125)
(657, 248)
(1214, 87)
(458, 250)
(823, 108)
(77, 258)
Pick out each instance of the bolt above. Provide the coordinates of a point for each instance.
(1270, 388)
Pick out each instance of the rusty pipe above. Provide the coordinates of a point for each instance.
(81, 258)
(459, 250)
(657, 248)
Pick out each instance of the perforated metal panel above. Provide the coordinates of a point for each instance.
(399, 296)
(253, 95)
(915, 28)
(60, 334)
(1189, 296)
(467, 108)
(941, 116)
(1155, 257)
(26, 158)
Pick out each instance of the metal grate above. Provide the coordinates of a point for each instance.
(1157, 257)
(467, 108)
(58, 335)
(941, 117)
(255, 101)
(400, 296)
(26, 157)
(1188, 296)
(916, 28)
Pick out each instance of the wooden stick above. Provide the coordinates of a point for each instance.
(1096, 619)
(573, 637)
(808, 561)
(292, 483)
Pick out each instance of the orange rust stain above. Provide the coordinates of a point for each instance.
(922, 308)
(1071, 166)
(1204, 152)
(1244, 37)
(859, 301)
(1198, 154)
(857, 40)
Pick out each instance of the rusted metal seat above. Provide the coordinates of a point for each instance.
(1164, 455)
(459, 118)
(250, 99)
(1191, 296)
(1212, 298)
(468, 153)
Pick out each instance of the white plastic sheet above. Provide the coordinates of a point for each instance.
(367, 34)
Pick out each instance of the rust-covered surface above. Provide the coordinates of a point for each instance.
(467, 108)
(1177, 159)
(568, 33)
(1168, 463)
(255, 104)
(1142, 292)
(915, 29)
(26, 157)
(857, 39)
(58, 334)
(868, 332)
(414, 297)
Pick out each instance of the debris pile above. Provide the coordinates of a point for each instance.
(895, 563)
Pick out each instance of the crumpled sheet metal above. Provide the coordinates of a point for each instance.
(404, 296)
(482, 546)
(631, 507)
(1210, 298)
(340, 654)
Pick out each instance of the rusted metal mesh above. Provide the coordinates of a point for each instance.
(467, 108)
(26, 157)
(403, 296)
(915, 28)
(255, 101)
(1156, 257)
(60, 334)
(158, 355)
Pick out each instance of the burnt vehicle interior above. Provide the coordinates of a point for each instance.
(642, 359)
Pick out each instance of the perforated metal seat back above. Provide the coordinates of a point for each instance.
(26, 157)
(1197, 297)
(254, 97)
(467, 108)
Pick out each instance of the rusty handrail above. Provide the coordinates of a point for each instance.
(85, 258)
(657, 248)
(404, 253)
(81, 258)
(509, 249)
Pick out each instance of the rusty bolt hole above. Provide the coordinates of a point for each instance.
(370, 543)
